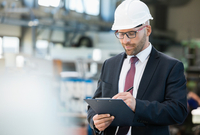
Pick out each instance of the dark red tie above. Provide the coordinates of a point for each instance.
(123, 130)
(130, 75)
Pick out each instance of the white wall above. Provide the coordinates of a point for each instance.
(9, 30)
(57, 36)
(106, 41)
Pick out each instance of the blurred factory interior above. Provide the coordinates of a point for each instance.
(51, 53)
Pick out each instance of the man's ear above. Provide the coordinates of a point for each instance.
(148, 30)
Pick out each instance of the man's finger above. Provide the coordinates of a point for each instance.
(123, 95)
(119, 95)
(103, 123)
(100, 116)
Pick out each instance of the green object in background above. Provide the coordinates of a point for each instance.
(191, 43)
(191, 85)
(185, 63)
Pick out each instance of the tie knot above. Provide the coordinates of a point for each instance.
(133, 60)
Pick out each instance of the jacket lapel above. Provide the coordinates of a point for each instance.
(148, 72)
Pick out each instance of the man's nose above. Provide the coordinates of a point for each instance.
(126, 39)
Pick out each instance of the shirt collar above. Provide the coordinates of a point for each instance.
(143, 54)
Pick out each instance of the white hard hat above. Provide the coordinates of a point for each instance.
(131, 13)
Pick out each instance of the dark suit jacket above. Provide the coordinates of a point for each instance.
(161, 98)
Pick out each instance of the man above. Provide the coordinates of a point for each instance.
(158, 98)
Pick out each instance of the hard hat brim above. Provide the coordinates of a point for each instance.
(115, 27)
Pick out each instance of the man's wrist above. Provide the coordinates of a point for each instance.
(97, 131)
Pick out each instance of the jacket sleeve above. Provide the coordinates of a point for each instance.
(90, 111)
(173, 109)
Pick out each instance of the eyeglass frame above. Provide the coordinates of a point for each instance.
(130, 31)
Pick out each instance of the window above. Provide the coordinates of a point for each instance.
(90, 7)
(10, 44)
(42, 48)
(47, 3)
(1, 51)
(42, 44)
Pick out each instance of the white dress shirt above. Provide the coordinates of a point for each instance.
(140, 65)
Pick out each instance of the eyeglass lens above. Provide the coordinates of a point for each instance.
(130, 34)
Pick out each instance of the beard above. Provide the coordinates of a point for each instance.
(136, 47)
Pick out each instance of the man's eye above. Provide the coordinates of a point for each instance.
(131, 33)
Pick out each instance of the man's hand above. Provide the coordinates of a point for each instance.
(102, 121)
(127, 98)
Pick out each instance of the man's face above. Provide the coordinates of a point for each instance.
(135, 45)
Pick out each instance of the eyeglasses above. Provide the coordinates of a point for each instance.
(130, 34)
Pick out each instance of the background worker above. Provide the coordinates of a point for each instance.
(158, 98)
